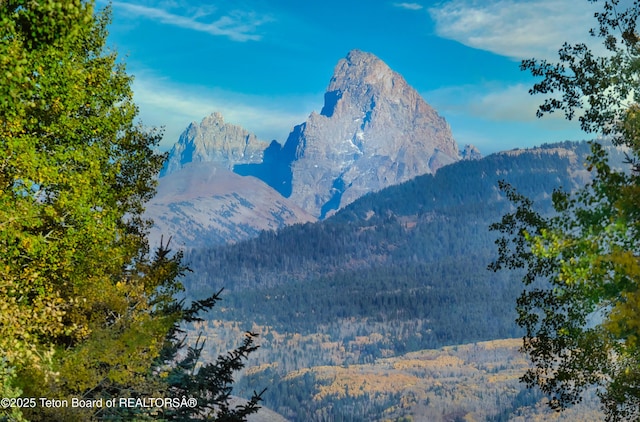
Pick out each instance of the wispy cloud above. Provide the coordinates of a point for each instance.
(237, 25)
(493, 117)
(516, 29)
(491, 102)
(174, 106)
(409, 6)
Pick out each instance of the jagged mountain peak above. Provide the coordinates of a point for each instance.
(214, 118)
(214, 140)
(360, 78)
(373, 131)
(359, 67)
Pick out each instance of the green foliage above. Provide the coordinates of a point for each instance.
(211, 384)
(580, 308)
(84, 311)
(73, 166)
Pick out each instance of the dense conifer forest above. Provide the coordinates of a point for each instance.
(397, 271)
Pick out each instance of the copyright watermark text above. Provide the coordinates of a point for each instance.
(143, 402)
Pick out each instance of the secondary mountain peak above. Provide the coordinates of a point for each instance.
(213, 140)
(470, 152)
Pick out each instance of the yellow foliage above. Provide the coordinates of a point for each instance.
(439, 362)
(356, 380)
(469, 381)
(624, 319)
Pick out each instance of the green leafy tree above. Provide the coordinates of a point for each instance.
(581, 307)
(85, 312)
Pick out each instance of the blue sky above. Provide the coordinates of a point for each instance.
(265, 64)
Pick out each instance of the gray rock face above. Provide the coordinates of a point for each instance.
(214, 141)
(373, 131)
(470, 152)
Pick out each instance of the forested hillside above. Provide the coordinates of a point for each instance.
(472, 382)
(421, 227)
(417, 214)
(397, 271)
(414, 252)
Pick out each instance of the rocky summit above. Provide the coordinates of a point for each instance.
(373, 131)
(215, 141)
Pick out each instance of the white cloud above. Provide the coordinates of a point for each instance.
(512, 103)
(174, 106)
(409, 6)
(494, 117)
(492, 102)
(516, 29)
(236, 25)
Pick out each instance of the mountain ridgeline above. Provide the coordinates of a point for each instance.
(418, 250)
(216, 142)
(396, 271)
(373, 131)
